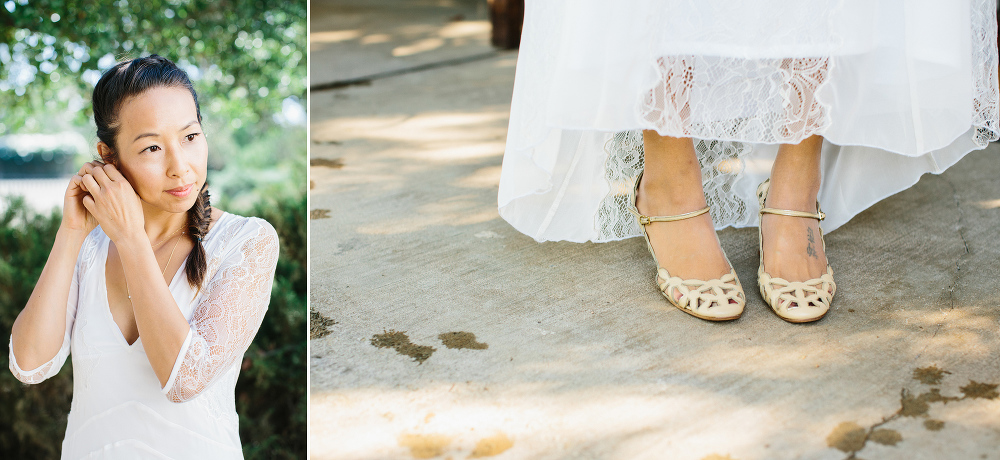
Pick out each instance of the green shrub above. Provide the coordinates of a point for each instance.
(270, 393)
(34, 417)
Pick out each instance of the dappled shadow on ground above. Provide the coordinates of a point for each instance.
(581, 355)
(352, 39)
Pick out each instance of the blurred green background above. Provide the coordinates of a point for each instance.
(247, 60)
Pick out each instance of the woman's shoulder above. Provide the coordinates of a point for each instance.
(236, 231)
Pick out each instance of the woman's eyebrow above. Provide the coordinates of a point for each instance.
(190, 124)
(144, 135)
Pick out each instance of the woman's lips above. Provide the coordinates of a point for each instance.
(181, 192)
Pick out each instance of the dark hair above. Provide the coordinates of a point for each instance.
(129, 79)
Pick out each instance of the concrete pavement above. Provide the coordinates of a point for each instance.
(441, 332)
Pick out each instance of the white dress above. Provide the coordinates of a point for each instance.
(119, 410)
(898, 88)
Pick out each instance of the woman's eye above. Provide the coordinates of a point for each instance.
(190, 137)
(151, 148)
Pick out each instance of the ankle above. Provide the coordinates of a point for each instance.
(799, 196)
(672, 199)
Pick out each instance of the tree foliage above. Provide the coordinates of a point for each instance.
(245, 56)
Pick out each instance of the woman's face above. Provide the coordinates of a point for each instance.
(161, 148)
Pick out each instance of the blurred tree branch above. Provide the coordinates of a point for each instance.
(250, 55)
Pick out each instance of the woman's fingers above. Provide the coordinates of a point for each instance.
(101, 176)
(90, 184)
(89, 203)
(77, 182)
(114, 173)
(88, 167)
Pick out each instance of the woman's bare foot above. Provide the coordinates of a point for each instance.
(793, 249)
(689, 248)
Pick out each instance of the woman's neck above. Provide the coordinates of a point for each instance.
(160, 224)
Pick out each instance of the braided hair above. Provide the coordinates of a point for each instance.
(132, 78)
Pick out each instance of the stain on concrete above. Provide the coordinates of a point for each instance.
(312, 185)
(717, 457)
(933, 425)
(978, 390)
(886, 437)
(462, 340)
(850, 437)
(493, 445)
(913, 406)
(930, 375)
(400, 342)
(335, 163)
(319, 214)
(917, 406)
(425, 445)
(847, 437)
(319, 325)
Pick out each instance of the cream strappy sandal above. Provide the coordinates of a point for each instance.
(794, 301)
(714, 300)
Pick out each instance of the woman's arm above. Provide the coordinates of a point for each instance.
(230, 312)
(114, 204)
(40, 330)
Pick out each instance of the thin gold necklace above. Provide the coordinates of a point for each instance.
(162, 273)
(167, 238)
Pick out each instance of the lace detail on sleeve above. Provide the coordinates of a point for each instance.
(52, 366)
(227, 318)
(42, 372)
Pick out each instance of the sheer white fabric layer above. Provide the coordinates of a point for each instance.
(898, 88)
(118, 408)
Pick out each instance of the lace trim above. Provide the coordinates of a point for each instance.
(768, 100)
(29, 377)
(985, 111)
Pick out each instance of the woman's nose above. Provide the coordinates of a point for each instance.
(177, 165)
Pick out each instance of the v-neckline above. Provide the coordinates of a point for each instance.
(170, 285)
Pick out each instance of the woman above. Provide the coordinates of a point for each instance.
(670, 108)
(158, 303)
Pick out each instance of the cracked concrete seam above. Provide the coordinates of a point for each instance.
(957, 274)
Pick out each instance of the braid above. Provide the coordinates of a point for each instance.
(199, 217)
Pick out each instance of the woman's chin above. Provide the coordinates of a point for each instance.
(173, 204)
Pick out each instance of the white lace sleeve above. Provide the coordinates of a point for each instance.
(52, 366)
(228, 316)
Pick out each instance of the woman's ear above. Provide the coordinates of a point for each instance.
(106, 154)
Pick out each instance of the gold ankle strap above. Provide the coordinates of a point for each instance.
(646, 220)
(785, 212)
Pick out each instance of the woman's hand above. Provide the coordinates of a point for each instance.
(112, 202)
(76, 217)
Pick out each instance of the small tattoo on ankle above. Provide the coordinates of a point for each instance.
(810, 251)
